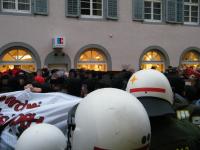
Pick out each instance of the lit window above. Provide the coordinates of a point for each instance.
(22, 6)
(153, 59)
(92, 59)
(91, 8)
(191, 58)
(17, 57)
(152, 10)
(191, 11)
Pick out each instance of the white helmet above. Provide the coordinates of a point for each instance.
(111, 119)
(42, 137)
(153, 89)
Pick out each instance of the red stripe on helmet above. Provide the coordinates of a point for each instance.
(160, 90)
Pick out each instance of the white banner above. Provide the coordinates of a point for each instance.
(19, 110)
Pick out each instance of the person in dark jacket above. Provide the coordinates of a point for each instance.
(168, 133)
(177, 83)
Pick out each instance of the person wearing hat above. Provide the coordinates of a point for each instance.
(39, 78)
(108, 119)
(153, 90)
(176, 81)
(41, 137)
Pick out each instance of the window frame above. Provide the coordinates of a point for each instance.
(190, 61)
(151, 52)
(91, 60)
(16, 60)
(190, 4)
(152, 11)
(16, 10)
(92, 9)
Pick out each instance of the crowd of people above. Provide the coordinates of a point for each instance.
(185, 83)
(75, 82)
(79, 82)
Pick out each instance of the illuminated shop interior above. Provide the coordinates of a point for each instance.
(191, 59)
(153, 59)
(17, 58)
(92, 59)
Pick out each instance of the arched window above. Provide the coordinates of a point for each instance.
(19, 58)
(191, 58)
(153, 59)
(92, 59)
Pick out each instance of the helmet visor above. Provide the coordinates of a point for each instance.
(156, 106)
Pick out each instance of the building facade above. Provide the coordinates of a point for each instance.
(99, 34)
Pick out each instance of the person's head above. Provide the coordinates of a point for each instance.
(110, 119)
(21, 79)
(153, 67)
(172, 70)
(57, 85)
(45, 72)
(152, 88)
(42, 137)
(72, 73)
